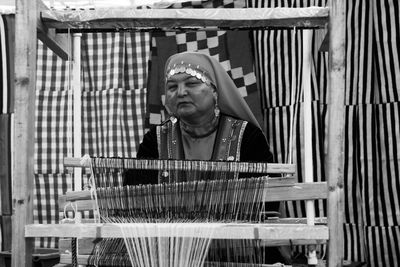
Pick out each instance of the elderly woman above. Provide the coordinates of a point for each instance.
(209, 120)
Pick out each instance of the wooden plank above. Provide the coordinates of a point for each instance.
(219, 230)
(23, 174)
(335, 159)
(83, 260)
(170, 19)
(81, 200)
(58, 43)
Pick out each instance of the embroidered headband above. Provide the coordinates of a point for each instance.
(191, 70)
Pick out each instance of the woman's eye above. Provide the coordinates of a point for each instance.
(172, 87)
(192, 84)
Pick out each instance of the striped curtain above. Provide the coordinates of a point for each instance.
(7, 37)
(372, 126)
(373, 132)
(114, 75)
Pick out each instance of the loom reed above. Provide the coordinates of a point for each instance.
(134, 208)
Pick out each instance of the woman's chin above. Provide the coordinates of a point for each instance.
(186, 112)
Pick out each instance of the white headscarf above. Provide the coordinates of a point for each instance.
(208, 69)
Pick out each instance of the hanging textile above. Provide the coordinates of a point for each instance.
(7, 28)
(114, 73)
(113, 79)
(372, 134)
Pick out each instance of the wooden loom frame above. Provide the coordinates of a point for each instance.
(28, 20)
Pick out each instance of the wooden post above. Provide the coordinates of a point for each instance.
(24, 130)
(308, 153)
(335, 163)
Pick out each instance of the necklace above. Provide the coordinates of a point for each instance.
(200, 131)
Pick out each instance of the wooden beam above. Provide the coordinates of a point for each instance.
(58, 43)
(84, 260)
(214, 230)
(169, 19)
(24, 129)
(154, 164)
(334, 161)
(81, 200)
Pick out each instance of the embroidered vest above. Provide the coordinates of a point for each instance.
(226, 148)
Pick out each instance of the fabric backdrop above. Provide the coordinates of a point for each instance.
(372, 134)
(7, 37)
(114, 73)
(372, 128)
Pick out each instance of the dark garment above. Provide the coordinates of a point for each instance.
(254, 148)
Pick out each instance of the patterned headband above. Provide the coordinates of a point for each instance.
(194, 71)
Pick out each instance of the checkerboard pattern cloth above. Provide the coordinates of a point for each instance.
(114, 80)
(211, 4)
(48, 187)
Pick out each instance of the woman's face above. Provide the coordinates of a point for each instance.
(189, 98)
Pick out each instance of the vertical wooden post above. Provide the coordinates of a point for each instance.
(308, 158)
(24, 130)
(335, 158)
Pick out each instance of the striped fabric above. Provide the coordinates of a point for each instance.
(372, 126)
(7, 39)
(113, 107)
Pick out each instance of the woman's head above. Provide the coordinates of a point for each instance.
(189, 98)
(195, 83)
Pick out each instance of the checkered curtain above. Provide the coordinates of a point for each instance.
(372, 132)
(114, 71)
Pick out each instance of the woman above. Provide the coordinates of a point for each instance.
(209, 120)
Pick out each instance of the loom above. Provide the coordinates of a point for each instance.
(271, 232)
(164, 210)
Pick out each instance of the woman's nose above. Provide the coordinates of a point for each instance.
(182, 89)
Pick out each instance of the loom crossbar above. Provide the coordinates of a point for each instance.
(223, 230)
(291, 192)
(184, 165)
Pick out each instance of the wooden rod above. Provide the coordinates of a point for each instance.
(334, 160)
(308, 153)
(148, 163)
(221, 230)
(299, 191)
(23, 174)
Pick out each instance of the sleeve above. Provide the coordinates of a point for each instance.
(255, 148)
(254, 145)
(148, 149)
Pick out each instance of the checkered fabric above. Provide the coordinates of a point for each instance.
(231, 48)
(46, 210)
(114, 73)
(211, 4)
(113, 122)
(51, 144)
(114, 60)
